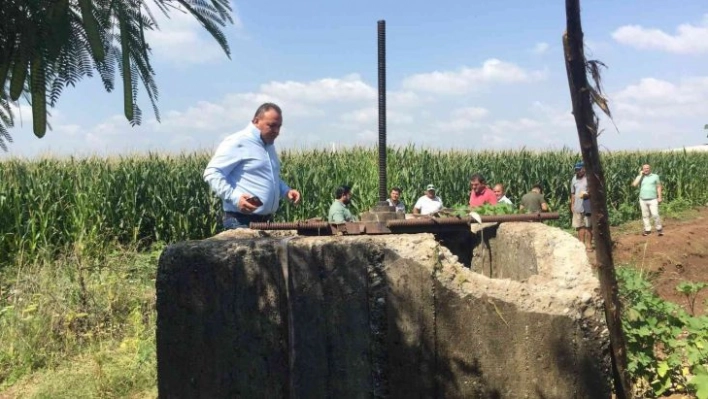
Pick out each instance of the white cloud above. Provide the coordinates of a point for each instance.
(655, 98)
(688, 39)
(349, 88)
(370, 115)
(469, 79)
(462, 119)
(472, 113)
(344, 111)
(182, 40)
(658, 113)
(540, 48)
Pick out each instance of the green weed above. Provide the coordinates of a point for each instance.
(667, 348)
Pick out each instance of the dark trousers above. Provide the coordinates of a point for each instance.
(235, 220)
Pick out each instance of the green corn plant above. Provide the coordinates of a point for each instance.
(51, 205)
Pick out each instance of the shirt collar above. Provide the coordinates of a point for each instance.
(480, 194)
(256, 133)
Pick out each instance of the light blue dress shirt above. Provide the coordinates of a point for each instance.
(244, 164)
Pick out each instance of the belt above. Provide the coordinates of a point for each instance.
(246, 217)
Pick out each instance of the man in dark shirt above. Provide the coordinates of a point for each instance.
(533, 201)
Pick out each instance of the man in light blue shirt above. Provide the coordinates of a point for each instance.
(245, 171)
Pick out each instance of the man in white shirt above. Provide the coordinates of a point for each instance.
(501, 197)
(429, 204)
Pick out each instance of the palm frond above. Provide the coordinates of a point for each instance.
(211, 20)
(596, 94)
(48, 45)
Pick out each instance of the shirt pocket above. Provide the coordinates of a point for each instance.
(254, 159)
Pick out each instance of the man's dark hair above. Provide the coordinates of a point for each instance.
(478, 177)
(265, 107)
(342, 191)
(396, 189)
(538, 186)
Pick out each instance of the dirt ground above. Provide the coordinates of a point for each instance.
(680, 255)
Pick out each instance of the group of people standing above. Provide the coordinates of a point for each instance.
(431, 204)
(244, 173)
(650, 196)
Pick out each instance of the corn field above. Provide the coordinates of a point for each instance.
(52, 205)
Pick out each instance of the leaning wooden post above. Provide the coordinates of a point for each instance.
(580, 94)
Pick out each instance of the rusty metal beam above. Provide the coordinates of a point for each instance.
(302, 225)
(418, 224)
(533, 217)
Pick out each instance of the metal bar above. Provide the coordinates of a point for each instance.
(289, 225)
(461, 221)
(451, 221)
(383, 190)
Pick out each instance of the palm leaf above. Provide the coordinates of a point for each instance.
(47, 45)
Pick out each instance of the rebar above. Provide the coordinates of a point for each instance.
(383, 190)
(302, 225)
(467, 220)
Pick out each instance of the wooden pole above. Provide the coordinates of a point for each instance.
(585, 122)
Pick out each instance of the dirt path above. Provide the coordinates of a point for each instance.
(680, 255)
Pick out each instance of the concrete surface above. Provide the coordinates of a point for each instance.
(249, 315)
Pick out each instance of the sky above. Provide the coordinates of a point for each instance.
(460, 74)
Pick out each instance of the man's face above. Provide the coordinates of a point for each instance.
(499, 191)
(580, 172)
(646, 169)
(347, 199)
(395, 195)
(477, 187)
(269, 124)
(430, 193)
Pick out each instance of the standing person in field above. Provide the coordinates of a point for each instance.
(501, 197)
(245, 171)
(533, 201)
(578, 193)
(480, 194)
(429, 204)
(649, 198)
(394, 200)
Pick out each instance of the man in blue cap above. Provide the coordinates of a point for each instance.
(579, 206)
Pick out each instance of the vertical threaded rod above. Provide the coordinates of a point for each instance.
(383, 190)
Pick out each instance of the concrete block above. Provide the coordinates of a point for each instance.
(245, 314)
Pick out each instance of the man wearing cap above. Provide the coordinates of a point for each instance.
(480, 194)
(428, 204)
(580, 215)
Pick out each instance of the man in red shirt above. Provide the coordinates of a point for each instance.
(480, 193)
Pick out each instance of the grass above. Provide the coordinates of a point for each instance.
(79, 328)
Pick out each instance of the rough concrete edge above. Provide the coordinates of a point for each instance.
(565, 282)
(543, 295)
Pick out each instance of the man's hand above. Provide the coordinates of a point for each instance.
(294, 196)
(245, 206)
(658, 200)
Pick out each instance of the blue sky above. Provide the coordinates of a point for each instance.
(460, 74)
